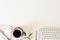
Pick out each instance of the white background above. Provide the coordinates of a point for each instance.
(20, 12)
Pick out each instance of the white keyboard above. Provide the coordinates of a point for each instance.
(49, 34)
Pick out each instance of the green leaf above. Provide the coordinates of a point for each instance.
(30, 34)
(24, 33)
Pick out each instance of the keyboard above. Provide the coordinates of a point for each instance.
(49, 34)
